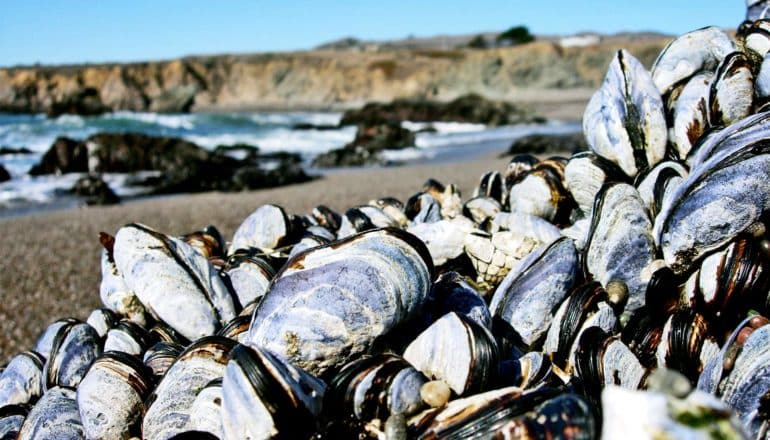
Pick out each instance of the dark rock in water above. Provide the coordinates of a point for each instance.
(548, 144)
(468, 108)
(4, 174)
(365, 148)
(308, 126)
(10, 150)
(238, 151)
(176, 100)
(95, 191)
(183, 166)
(84, 102)
(65, 156)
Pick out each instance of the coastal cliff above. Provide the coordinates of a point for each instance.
(541, 71)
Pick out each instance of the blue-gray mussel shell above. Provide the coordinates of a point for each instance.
(584, 176)
(174, 282)
(267, 228)
(757, 9)
(206, 410)
(249, 275)
(111, 396)
(620, 243)
(263, 397)
(328, 304)
(54, 417)
(624, 121)
(528, 296)
(451, 292)
(21, 382)
(724, 194)
(11, 419)
(458, 351)
(75, 346)
(169, 405)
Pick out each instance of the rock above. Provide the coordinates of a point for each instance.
(370, 140)
(10, 150)
(183, 166)
(95, 190)
(4, 174)
(176, 100)
(548, 144)
(65, 156)
(308, 126)
(84, 102)
(470, 108)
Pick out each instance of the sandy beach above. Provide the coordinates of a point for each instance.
(50, 268)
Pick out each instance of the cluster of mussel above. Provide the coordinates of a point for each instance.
(620, 291)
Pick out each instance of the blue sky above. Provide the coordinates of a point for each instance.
(70, 31)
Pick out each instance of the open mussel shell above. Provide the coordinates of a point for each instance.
(620, 243)
(169, 404)
(11, 419)
(267, 228)
(176, 283)
(111, 396)
(457, 351)
(445, 239)
(451, 292)
(206, 411)
(75, 346)
(624, 121)
(584, 176)
(525, 301)
(586, 306)
(54, 417)
(263, 397)
(160, 356)
(689, 54)
(373, 388)
(128, 338)
(510, 413)
(318, 320)
(249, 275)
(721, 198)
(21, 382)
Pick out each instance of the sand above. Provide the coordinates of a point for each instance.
(50, 268)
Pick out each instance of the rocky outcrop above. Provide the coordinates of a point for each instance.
(470, 108)
(365, 149)
(324, 79)
(11, 151)
(183, 166)
(548, 144)
(95, 191)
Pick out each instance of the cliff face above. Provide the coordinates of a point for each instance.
(322, 79)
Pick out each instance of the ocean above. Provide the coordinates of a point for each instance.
(270, 131)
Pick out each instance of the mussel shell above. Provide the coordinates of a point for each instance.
(11, 419)
(102, 320)
(686, 344)
(237, 329)
(209, 242)
(267, 228)
(528, 296)
(75, 346)
(452, 293)
(445, 238)
(624, 121)
(44, 342)
(490, 185)
(161, 356)
(327, 218)
(54, 417)
(657, 185)
(620, 243)
(481, 208)
(262, 397)
(458, 351)
(691, 114)
(757, 10)
(692, 53)
(373, 388)
(249, 275)
(111, 396)
(128, 338)
(319, 320)
(206, 411)
(731, 95)
(21, 381)
(584, 176)
(169, 404)
(176, 283)
(422, 208)
(542, 194)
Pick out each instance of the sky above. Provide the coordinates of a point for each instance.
(78, 31)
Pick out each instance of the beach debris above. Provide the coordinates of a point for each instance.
(622, 291)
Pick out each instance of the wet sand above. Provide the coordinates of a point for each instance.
(50, 265)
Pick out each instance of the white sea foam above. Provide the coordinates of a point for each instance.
(444, 127)
(176, 121)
